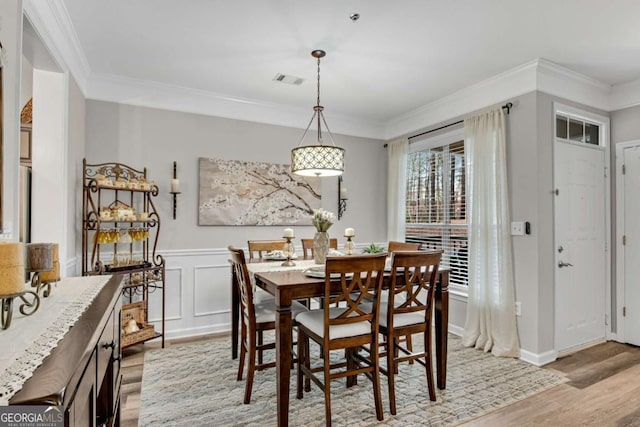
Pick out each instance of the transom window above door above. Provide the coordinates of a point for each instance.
(577, 130)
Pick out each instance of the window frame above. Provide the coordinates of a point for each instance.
(427, 142)
(586, 117)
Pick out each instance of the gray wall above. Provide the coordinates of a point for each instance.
(197, 271)
(530, 176)
(625, 126)
(140, 136)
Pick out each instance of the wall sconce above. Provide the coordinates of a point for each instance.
(175, 187)
(342, 198)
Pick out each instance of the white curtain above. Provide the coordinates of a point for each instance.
(491, 320)
(396, 189)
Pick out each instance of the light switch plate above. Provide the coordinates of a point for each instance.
(517, 228)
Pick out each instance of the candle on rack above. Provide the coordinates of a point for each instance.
(349, 232)
(39, 256)
(11, 269)
(288, 232)
(175, 185)
(343, 192)
(52, 275)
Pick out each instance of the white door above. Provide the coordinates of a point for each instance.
(631, 184)
(580, 252)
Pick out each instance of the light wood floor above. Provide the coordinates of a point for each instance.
(603, 389)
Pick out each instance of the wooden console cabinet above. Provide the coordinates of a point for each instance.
(82, 374)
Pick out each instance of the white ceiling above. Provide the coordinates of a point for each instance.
(399, 56)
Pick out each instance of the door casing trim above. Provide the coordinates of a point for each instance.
(605, 122)
(620, 226)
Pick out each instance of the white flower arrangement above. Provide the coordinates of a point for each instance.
(322, 219)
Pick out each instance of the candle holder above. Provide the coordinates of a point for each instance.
(174, 189)
(27, 308)
(349, 246)
(288, 252)
(39, 260)
(342, 199)
(36, 282)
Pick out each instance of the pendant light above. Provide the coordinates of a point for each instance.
(317, 160)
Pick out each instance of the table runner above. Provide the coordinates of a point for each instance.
(268, 267)
(30, 339)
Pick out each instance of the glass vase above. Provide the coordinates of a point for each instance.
(320, 247)
(349, 246)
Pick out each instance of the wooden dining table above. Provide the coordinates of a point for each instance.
(290, 285)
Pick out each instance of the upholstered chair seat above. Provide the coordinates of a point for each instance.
(314, 321)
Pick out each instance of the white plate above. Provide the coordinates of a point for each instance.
(278, 256)
(319, 273)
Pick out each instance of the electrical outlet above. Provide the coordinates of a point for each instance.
(518, 308)
(517, 228)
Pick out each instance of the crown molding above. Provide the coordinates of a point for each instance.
(557, 80)
(539, 74)
(625, 95)
(53, 25)
(496, 89)
(146, 93)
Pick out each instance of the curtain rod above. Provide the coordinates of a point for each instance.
(508, 106)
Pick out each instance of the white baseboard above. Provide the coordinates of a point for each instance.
(456, 330)
(526, 356)
(197, 331)
(538, 359)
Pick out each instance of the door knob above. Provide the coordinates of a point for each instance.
(564, 264)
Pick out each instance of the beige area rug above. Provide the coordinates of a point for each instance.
(195, 385)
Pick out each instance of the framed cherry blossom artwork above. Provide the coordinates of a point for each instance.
(234, 192)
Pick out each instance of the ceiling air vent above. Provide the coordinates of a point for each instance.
(292, 80)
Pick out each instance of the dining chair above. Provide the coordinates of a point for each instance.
(402, 246)
(307, 246)
(409, 311)
(259, 248)
(333, 328)
(256, 317)
(395, 246)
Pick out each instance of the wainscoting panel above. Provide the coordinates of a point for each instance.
(210, 299)
(174, 302)
(198, 297)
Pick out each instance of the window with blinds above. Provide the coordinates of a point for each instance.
(436, 210)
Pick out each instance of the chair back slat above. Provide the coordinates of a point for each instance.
(360, 281)
(307, 246)
(241, 275)
(415, 279)
(259, 248)
(402, 246)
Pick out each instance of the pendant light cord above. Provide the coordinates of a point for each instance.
(318, 106)
(318, 78)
